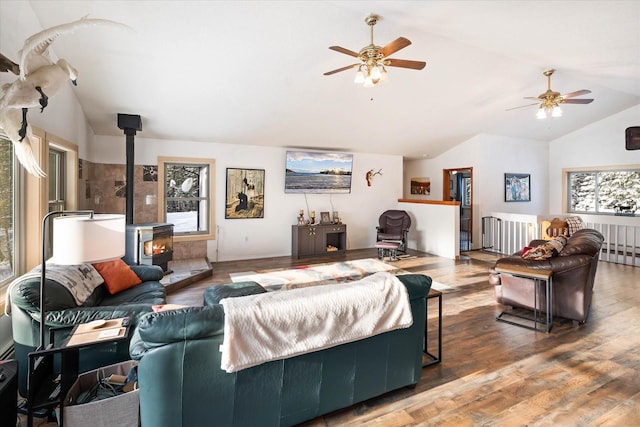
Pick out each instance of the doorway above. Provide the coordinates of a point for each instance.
(458, 186)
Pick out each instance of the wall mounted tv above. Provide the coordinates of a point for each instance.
(317, 172)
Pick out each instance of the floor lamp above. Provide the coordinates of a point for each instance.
(80, 237)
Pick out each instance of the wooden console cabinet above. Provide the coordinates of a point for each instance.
(317, 239)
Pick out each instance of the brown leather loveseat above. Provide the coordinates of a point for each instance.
(574, 269)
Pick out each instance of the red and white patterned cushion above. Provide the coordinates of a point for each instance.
(546, 250)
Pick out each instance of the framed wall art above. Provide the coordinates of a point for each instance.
(245, 193)
(517, 187)
(325, 218)
(421, 186)
(149, 173)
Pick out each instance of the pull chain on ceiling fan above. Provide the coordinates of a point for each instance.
(549, 101)
(374, 59)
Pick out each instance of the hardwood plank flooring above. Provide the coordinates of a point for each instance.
(492, 373)
(496, 374)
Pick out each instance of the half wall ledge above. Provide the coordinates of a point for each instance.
(435, 226)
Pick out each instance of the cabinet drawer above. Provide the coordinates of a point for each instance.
(336, 229)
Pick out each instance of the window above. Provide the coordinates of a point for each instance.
(185, 196)
(61, 167)
(604, 191)
(8, 204)
(57, 178)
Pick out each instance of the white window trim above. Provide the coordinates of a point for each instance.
(162, 161)
(565, 184)
(37, 191)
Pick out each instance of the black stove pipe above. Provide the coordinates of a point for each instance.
(130, 123)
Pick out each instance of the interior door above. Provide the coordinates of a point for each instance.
(458, 186)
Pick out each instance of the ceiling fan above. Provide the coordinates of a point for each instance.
(374, 59)
(549, 101)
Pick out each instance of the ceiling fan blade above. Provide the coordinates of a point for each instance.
(522, 106)
(328, 73)
(344, 50)
(394, 46)
(405, 63)
(578, 101)
(576, 93)
(532, 97)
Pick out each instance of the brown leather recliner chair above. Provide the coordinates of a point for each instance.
(574, 270)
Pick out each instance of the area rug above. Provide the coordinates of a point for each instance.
(317, 274)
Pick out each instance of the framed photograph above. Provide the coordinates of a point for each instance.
(149, 173)
(245, 193)
(517, 187)
(421, 186)
(325, 218)
(466, 191)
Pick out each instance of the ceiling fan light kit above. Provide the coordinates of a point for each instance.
(545, 111)
(549, 101)
(371, 69)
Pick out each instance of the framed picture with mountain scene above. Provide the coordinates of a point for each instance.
(245, 193)
(517, 187)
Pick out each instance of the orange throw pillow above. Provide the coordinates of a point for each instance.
(117, 275)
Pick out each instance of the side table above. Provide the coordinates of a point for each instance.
(432, 359)
(538, 276)
(48, 382)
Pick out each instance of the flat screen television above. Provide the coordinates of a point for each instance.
(317, 172)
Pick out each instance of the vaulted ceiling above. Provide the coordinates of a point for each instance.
(251, 72)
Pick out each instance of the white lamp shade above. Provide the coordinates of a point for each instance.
(82, 239)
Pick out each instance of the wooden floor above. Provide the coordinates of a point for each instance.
(494, 373)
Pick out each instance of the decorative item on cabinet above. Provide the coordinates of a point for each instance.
(325, 218)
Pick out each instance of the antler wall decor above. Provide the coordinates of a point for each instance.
(370, 174)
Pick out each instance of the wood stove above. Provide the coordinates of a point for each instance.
(150, 244)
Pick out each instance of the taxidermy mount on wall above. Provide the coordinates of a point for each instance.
(370, 174)
(39, 79)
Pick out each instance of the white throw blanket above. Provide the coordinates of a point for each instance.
(80, 280)
(282, 324)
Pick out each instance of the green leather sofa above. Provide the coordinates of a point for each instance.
(62, 313)
(182, 385)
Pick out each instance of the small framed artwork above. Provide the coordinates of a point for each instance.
(245, 193)
(466, 191)
(325, 218)
(421, 186)
(149, 173)
(517, 187)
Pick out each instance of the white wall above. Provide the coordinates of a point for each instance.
(599, 144)
(271, 236)
(435, 228)
(63, 117)
(490, 156)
